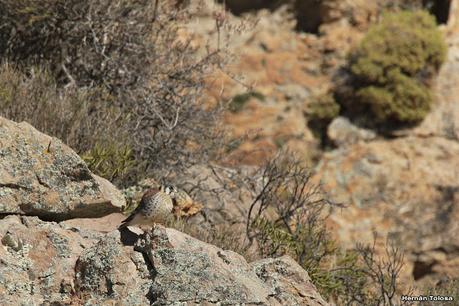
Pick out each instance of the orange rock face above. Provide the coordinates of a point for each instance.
(406, 189)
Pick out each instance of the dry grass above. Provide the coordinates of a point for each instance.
(116, 80)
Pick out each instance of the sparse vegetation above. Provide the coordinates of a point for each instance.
(391, 73)
(81, 117)
(288, 217)
(120, 65)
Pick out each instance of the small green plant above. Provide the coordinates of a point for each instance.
(238, 101)
(394, 63)
(109, 160)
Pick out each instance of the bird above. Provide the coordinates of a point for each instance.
(156, 206)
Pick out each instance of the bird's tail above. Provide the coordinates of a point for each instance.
(126, 222)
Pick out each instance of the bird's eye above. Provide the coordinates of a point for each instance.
(169, 189)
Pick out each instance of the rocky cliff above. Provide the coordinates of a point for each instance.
(403, 187)
(406, 187)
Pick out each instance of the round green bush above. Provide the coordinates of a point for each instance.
(393, 64)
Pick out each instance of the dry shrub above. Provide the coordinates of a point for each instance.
(288, 216)
(84, 42)
(81, 117)
(77, 116)
(128, 51)
(378, 276)
(447, 287)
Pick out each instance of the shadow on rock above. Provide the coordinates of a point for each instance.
(128, 237)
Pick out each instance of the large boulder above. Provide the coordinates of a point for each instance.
(407, 189)
(61, 264)
(41, 176)
(342, 132)
(176, 268)
(288, 282)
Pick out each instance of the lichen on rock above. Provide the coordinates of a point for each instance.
(41, 176)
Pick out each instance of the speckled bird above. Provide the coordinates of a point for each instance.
(155, 207)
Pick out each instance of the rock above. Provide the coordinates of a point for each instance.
(104, 224)
(109, 271)
(359, 12)
(181, 269)
(406, 189)
(48, 263)
(189, 270)
(37, 261)
(287, 281)
(41, 176)
(276, 62)
(342, 132)
(266, 126)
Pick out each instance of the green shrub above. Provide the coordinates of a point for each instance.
(323, 108)
(394, 63)
(110, 160)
